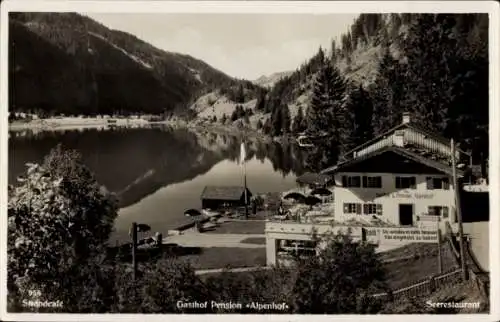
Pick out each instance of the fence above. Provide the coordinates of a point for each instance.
(426, 286)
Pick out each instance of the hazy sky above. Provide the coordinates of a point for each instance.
(241, 45)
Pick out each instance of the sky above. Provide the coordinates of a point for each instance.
(241, 45)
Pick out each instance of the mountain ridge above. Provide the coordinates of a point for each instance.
(268, 81)
(115, 71)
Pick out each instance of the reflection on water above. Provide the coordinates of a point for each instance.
(160, 172)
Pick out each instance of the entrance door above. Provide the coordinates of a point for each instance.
(406, 214)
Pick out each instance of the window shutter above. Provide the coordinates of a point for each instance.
(358, 208)
(365, 181)
(413, 183)
(430, 183)
(398, 182)
(432, 211)
(445, 212)
(344, 181)
(379, 182)
(379, 209)
(346, 208)
(365, 209)
(446, 183)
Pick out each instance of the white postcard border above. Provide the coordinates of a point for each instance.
(259, 7)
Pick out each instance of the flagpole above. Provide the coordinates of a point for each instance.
(245, 184)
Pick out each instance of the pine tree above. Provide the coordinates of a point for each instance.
(276, 122)
(286, 120)
(428, 82)
(261, 100)
(359, 109)
(299, 123)
(387, 94)
(240, 95)
(325, 117)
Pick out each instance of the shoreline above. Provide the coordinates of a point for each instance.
(81, 124)
(76, 123)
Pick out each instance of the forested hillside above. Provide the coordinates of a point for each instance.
(434, 66)
(68, 63)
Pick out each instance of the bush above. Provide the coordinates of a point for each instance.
(59, 220)
(158, 289)
(339, 280)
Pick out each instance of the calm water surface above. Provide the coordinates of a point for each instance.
(158, 173)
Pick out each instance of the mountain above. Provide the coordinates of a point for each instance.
(81, 67)
(270, 80)
(434, 66)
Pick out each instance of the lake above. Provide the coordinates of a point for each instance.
(158, 173)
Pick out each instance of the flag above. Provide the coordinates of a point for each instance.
(243, 153)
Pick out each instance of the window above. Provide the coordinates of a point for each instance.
(351, 181)
(406, 183)
(438, 183)
(352, 208)
(441, 211)
(372, 209)
(372, 182)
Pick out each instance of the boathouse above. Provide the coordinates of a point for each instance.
(217, 197)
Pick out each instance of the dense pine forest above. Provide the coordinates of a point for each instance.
(434, 66)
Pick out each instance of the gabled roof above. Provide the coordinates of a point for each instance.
(411, 125)
(223, 192)
(442, 167)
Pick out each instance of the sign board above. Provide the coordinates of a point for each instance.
(406, 195)
(401, 235)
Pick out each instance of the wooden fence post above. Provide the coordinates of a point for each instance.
(134, 249)
(432, 284)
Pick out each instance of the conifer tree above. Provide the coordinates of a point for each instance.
(325, 117)
(286, 120)
(261, 100)
(299, 123)
(276, 121)
(387, 94)
(359, 110)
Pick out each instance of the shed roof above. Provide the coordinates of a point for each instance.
(223, 192)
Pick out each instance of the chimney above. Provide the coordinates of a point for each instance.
(406, 117)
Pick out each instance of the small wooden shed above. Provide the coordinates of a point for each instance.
(217, 197)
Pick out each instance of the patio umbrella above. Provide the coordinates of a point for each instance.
(312, 200)
(321, 192)
(192, 213)
(295, 196)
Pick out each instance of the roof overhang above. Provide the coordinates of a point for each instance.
(439, 166)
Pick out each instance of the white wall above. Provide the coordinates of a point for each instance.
(385, 237)
(390, 197)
